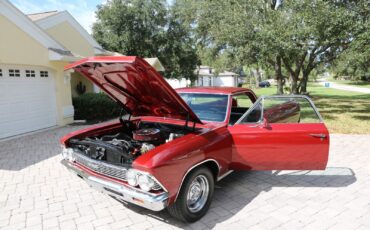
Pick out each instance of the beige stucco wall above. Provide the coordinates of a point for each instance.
(70, 38)
(18, 48)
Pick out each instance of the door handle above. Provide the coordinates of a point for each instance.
(318, 135)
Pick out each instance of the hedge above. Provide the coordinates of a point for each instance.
(95, 107)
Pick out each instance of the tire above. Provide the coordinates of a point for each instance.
(184, 209)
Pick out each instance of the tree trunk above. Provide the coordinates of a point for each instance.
(258, 72)
(279, 76)
(255, 75)
(303, 84)
(294, 84)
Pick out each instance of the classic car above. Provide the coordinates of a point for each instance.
(170, 147)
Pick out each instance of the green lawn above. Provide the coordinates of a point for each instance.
(362, 84)
(343, 111)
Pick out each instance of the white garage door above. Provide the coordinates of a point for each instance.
(27, 100)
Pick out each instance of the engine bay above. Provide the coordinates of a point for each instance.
(122, 147)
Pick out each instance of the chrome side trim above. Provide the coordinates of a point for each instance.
(194, 166)
(225, 175)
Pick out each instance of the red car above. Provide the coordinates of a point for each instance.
(171, 147)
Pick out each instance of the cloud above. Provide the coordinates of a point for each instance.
(82, 10)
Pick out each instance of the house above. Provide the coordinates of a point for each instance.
(208, 77)
(35, 92)
(63, 28)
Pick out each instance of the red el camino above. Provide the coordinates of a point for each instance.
(173, 146)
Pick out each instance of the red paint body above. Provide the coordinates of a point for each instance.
(237, 147)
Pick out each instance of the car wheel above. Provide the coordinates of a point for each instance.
(195, 196)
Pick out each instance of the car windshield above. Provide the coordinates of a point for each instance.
(208, 107)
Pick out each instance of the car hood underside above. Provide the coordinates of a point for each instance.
(135, 85)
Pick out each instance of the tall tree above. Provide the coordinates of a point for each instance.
(297, 36)
(355, 61)
(147, 28)
(318, 32)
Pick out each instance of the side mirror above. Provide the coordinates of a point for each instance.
(265, 123)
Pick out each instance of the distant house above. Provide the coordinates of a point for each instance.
(207, 77)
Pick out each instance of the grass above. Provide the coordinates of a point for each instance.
(343, 111)
(362, 84)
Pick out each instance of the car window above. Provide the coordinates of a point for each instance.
(240, 104)
(208, 107)
(282, 110)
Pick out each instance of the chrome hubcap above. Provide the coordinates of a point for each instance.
(197, 194)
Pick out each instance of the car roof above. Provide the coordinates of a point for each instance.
(218, 90)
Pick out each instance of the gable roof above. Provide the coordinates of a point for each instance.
(41, 15)
(50, 19)
(56, 50)
(25, 24)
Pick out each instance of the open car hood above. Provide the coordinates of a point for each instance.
(135, 85)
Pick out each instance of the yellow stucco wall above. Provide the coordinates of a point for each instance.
(70, 38)
(18, 48)
(63, 91)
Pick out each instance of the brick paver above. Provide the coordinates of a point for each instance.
(37, 192)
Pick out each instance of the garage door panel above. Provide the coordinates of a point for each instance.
(26, 103)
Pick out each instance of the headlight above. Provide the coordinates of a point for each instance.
(132, 177)
(70, 154)
(145, 182)
(67, 154)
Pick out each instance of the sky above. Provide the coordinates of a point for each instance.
(82, 10)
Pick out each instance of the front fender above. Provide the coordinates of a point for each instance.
(169, 163)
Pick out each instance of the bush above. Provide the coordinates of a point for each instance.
(95, 107)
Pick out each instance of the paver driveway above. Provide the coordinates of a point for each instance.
(36, 192)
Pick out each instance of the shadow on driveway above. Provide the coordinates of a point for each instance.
(238, 189)
(20, 152)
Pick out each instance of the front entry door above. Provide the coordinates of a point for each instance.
(280, 133)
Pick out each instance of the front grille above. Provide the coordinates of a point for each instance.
(105, 169)
(101, 167)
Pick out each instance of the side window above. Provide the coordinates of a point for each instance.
(283, 110)
(1, 72)
(239, 105)
(254, 115)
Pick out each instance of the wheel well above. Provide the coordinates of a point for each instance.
(213, 166)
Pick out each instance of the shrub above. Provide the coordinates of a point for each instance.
(95, 107)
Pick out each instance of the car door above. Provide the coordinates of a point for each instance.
(280, 133)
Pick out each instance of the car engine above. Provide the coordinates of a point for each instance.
(124, 147)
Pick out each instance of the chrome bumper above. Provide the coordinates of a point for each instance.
(155, 202)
